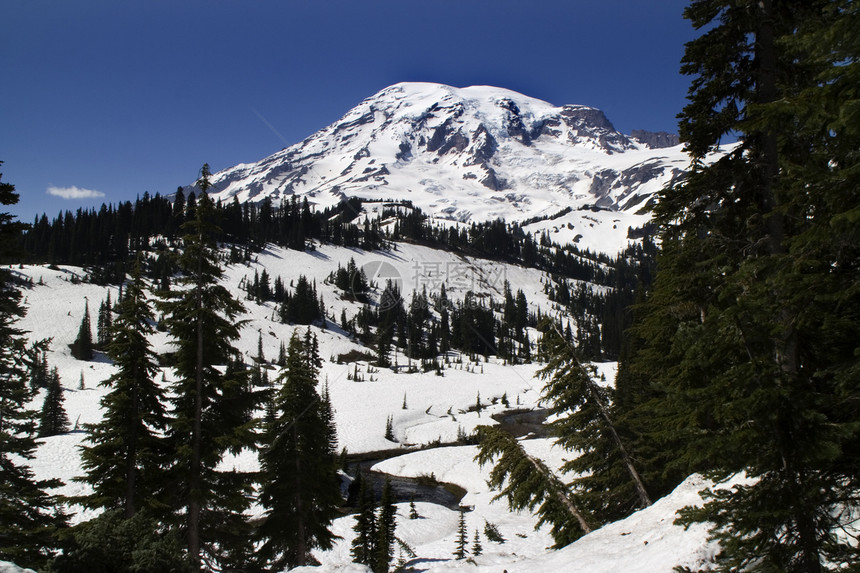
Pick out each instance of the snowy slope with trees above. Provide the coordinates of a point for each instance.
(438, 409)
(381, 390)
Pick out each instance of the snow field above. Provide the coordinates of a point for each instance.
(438, 408)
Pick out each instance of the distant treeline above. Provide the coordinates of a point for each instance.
(103, 240)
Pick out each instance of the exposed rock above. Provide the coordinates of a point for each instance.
(484, 146)
(513, 122)
(655, 139)
(493, 181)
(405, 153)
(362, 153)
(603, 182)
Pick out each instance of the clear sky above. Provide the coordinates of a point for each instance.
(112, 99)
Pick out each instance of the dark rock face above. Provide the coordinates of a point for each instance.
(445, 138)
(655, 139)
(585, 116)
(513, 122)
(485, 146)
(405, 153)
(603, 182)
(590, 123)
(639, 174)
(493, 181)
(362, 120)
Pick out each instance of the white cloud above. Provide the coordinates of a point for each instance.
(74, 193)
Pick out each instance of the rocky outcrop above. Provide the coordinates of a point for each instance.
(655, 139)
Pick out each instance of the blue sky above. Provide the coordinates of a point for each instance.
(119, 98)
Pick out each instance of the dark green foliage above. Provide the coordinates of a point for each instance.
(386, 524)
(747, 358)
(390, 322)
(460, 551)
(473, 326)
(53, 419)
(82, 347)
(492, 533)
(28, 515)
(38, 370)
(363, 548)
(527, 483)
(477, 548)
(327, 413)
(113, 543)
(609, 486)
(125, 453)
(300, 487)
(210, 410)
(303, 306)
(389, 429)
(352, 281)
(103, 325)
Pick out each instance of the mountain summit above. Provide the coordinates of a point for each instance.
(466, 154)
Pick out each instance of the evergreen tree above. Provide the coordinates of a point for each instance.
(28, 515)
(462, 537)
(526, 482)
(385, 530)
(303, 307)
(38, 368)
(125, 454)
(300, 489)
(210, 412)
(114, 542)
(749, 338)
(477, 548)
(53, 419)
(389, 428)
(82, 347)
(103, 325)
(610, 486)
(363, 549)
(329, 421)
(413, 511)
(282, 355)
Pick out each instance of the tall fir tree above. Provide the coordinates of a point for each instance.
(29, 516)
(210, 409)
(363, 549)
(609, 485)
(461, 549)
(82, 347)
(104, 322)
(53, 419)
(386, 525)
(749, 338)
(125, 453)
(299, 489)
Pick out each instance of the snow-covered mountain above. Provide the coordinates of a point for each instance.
(473, 154)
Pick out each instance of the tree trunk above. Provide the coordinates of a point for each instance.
(131, 459)
(559, 494)
(301, 534)
(644, 498)
(196, 438)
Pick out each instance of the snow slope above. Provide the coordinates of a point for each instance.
(437, 409)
